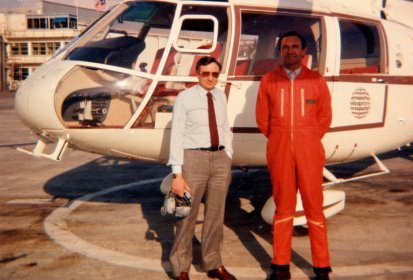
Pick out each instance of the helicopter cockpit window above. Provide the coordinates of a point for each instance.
(360, 48)
(90, 98)
(203, 31)
(129, 38)
(258, 46)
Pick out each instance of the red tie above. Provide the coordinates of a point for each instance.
(213, 129)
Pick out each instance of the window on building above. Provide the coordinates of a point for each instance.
(73, 23)
(45, 48)
(30, 23)
(59, 22)
(360, 48)
(19, 49)
(36, 49)
(258, 46)
(20, 73)
(37, 23)
(39, 48)
(52, 47)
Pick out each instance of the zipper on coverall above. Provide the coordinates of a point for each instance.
(302, 103)
(292, 114)
(282, 103)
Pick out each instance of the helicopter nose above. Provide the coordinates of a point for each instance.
(21, 102)
(34, 101)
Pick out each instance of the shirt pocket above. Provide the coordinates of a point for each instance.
(308, 103)
(278, 106)
(197, 116)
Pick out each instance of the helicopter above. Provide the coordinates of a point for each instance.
(112, 89)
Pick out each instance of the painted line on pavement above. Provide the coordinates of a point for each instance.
(57, 229)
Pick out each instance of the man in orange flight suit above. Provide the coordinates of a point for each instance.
(294, 112)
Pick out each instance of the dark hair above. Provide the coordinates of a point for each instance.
(206, 60)
(295, 34)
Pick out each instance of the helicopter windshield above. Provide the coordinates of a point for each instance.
(137, 36)
(125, 40)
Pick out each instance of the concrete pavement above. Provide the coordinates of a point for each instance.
(94, 217)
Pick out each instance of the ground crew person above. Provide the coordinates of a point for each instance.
(294, 112)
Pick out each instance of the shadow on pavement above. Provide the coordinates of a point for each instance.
(247, 195)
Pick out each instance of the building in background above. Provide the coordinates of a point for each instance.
(2, 67)
(30, 40)
(32, 30)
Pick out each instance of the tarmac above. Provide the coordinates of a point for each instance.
(95, 217)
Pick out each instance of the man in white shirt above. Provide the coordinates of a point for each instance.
(201, 164)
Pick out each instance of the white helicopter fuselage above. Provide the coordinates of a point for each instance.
(371, 110)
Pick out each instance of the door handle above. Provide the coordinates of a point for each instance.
(378, 80)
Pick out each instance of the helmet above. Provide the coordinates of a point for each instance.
(178, 205)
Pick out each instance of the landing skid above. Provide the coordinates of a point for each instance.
(332, 179)
(38, 151)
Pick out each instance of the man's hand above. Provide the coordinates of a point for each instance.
(179, 185)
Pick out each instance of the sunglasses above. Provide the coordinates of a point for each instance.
(207, 74)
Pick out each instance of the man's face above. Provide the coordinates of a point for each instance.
(208, 75)
(291, 52)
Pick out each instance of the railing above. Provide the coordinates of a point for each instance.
(41, 33)
(32, 59)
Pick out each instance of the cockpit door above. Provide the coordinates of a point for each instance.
(255, 54)
(360, 89)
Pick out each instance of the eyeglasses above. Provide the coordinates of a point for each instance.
(207, 74)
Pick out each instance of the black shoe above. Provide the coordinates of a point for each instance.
(322, 276)
(321, 273)
(280, 272)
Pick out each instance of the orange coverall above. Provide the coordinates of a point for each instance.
(294, 116)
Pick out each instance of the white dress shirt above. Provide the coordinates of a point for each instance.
(190, 125)
(293, 73)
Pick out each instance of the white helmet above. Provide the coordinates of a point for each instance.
(178, 205)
